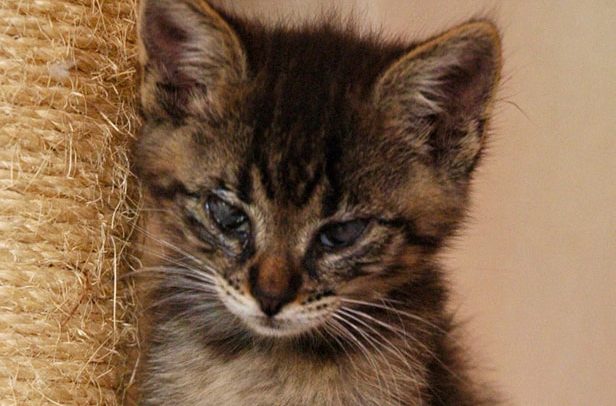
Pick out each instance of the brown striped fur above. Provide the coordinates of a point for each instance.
(301, 129)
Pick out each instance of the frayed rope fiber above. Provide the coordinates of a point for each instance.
(67, 207)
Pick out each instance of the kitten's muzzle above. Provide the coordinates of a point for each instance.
(273, 284)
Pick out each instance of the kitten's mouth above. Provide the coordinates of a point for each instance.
(294, 319)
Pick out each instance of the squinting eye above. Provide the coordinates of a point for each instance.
(340, 235)
(228, 218)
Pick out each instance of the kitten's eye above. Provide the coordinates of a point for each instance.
(229, 218)
(340, 235)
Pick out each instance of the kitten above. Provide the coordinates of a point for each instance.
(302, 182)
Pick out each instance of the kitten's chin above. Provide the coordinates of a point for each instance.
(272, 330)
(273, 327)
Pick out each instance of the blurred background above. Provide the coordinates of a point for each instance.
(535, 271)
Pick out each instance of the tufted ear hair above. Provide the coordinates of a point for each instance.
(189, 55)
(439, 94)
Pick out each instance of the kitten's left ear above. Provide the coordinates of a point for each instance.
(189, 55)
(440, 93)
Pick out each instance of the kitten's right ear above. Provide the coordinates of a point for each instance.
(189, 55)
(440, 94)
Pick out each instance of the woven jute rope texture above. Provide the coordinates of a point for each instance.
(66, 206)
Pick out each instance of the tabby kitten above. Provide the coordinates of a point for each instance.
(301, 182)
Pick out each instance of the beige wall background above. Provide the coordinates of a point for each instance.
(535, 271)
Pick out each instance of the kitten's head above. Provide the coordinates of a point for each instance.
(293, 173)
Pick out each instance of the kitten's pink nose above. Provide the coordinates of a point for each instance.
(273, 284)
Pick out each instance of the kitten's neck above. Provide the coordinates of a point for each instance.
(382, 366)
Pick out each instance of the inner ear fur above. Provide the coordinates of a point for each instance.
(189, 54)
(441, 91)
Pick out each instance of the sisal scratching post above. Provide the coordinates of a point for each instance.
(66, 117)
